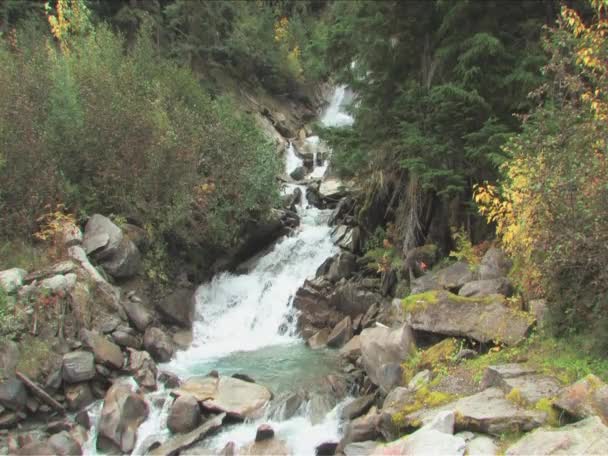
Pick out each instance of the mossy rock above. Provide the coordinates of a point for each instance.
(438, 354)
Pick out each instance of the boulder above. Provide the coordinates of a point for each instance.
(485, 319)
(368, 448)
(9, 358)
(333, 189)
(450, 278)
(538, 308)
(314, 310)
(105, 351)
(124, 339)
(269, 447)
(319, 406)
(158, 344)
(237, 398)
(358, 407)
(138, 314)
(382, 346)
(178, 307)
(298, 173)
(361, 429)
(182, 339)
(586, 437)
(122, 413)
(486, 287)
(394, 403)
(13, 394)
(287, 405)
(319, 340)
(12, 279)
(479, 444)
(488, 412)
(419, 380)
(326, 449)
(142, 367)
(185, 414)
(78, 366)
(341, 333)
(585, 398)
(180, 442)
(78, 396)
(352, 300)
(346, 237)
(63, 444)
(125, 263)
(427, 442)
(59, 283)
(264, 432)
(494, 264)
(528, 386)
(342, 267)
(352, 349)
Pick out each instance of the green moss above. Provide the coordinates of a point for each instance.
(419, 301)
(516, 398)
(438, 354)
(35, 354)
(424, 399)
(546, 405)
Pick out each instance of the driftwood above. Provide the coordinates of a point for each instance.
(40, 393)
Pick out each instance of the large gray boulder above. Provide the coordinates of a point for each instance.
(143, 368)
(178, 307)
(238, 398)
(494, 264)
(586, 437)
(137, 312)
(394, 403)
(487, 412)
(585, 398)
(105, 351)
(351, 299)
(382, 347)
(361, 429)
(78, 396)
(185, 414)
(319, 339)
(485, 319)
(104, 241)
(12, 279)
(176, 444)
(342, 267)
(13, 394)
(158, 344)
(352, 350)
(450, 278)
(341, 333)
(64, 444)
(346, 237)
(122, 413)
(78, 366)
(486, 287)
(529, 385)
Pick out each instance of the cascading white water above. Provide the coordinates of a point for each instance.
(335, 116)
(252, 314)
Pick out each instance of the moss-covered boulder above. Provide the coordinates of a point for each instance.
(485, 319)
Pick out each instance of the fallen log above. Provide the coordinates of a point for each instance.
(40, 393)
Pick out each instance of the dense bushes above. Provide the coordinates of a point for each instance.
(124, 133)
(550, 209)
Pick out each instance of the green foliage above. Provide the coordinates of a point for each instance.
(10, 323)
(127, 133)
(464, 249)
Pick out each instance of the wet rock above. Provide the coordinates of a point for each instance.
(451, 278)
(106, 352)
(298, 173)
(180, 442)
(78, 396)
(264, 432)
(158, 344)
(138, 314)
(169, 379)
(182, 339)
(270, 447)
(82, 418)
(367, 448)
(244, 377)
(143, 368)
(13, 394)
(381, 346)
(122, 413)
(479, 444)
(185, 414)
(485, 319)
(37, 448)
(228, 450)
(78, 366)
(419, 380)
(64, 444)
(235, 397)
(326, 449)
(352, 349)
(320, 405)
(319, 340)
(585, 398)
(287, 405)
(109, 325)
(178, 307)
(12, 279)
(358, 407)
(342, 267)
(314, 309)
(333, 189)
(341, 333)
(346, 237)
(530, 387)
(494, 264)
(126, 263)
(487, 287)
(361, 429)
(487, 412)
